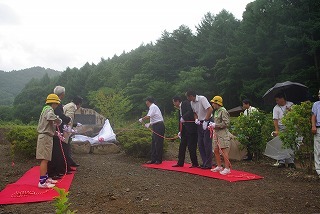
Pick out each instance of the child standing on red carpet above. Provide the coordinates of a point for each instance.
(221, 137)
(46, 130)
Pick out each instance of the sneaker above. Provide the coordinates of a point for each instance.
(225, 171)
(282, 165)
(45, 185)
(51, 181)
(217, 169)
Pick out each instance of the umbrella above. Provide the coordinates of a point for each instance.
(293, 91)
(274, 150)
(235, 112)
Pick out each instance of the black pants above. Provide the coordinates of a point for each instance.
(188, 140)
(58, 162)
(157, 142)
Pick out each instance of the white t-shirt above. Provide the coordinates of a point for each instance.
(249, 110)
(200, 106)
(278, 111)
(155, 114)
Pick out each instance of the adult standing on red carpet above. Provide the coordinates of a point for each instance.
(187, 132)
(202, 115)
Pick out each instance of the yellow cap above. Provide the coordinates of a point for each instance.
(52, 98)
(218, 100)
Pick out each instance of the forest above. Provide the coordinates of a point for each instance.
(276, 41)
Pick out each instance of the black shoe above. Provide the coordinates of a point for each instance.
(247, 159)
(292, 165)
(205, 167)
(75, 165)
(150, 162)
(158, 162)
(194, 166)
(281, 165)
(177, 165)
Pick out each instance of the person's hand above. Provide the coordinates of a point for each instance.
(147, 125)
(140, 120)
(314, 130)
(58, 121)
(179, 135)
(182, 120)
(275, 133)
(197, 121)
(205, 125)
(212, 125)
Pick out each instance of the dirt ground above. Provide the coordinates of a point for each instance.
(119, 184)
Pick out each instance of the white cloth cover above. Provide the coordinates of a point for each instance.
(106, 134)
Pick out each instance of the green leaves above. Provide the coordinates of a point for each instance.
(297, 134)
(61, 202)
(251, 131)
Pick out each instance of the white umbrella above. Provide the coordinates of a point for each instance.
(274, 150)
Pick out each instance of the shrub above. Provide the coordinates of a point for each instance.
(135, 142)
(252, 131)
(23, 140)
(298, 124)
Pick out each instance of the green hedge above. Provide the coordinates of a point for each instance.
(23, 140)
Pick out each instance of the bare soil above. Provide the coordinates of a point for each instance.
(119, 184)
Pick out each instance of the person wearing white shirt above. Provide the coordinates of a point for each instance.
(248, 109)
(158, 128)
(202, 115)
(315, 121)
(278, 112)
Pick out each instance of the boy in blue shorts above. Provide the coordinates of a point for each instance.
(46, 129)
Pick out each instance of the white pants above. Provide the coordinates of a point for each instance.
(317, 151)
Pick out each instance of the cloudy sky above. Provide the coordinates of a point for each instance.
(68, 33)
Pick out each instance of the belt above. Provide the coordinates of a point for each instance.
(157, 123)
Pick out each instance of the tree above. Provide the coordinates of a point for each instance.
(112, 104)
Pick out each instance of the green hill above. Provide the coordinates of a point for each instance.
(11, 83)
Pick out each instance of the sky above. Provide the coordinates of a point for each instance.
(68, 33)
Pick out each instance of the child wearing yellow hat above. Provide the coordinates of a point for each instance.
(46, 130)
(221, 138)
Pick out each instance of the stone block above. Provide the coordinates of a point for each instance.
(80, 147)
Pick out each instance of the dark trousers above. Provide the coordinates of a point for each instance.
(188, 140)
(205, 146)
(157, 142)
(69, 156)
(58, 164)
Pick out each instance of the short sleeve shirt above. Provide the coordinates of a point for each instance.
(249, 111)
(279, 111)
(155, 114)
(316, 112)
(69, 110)
(47, 117)
(200, 106)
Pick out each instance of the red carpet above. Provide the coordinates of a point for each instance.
(232, 177)
(26, 190)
